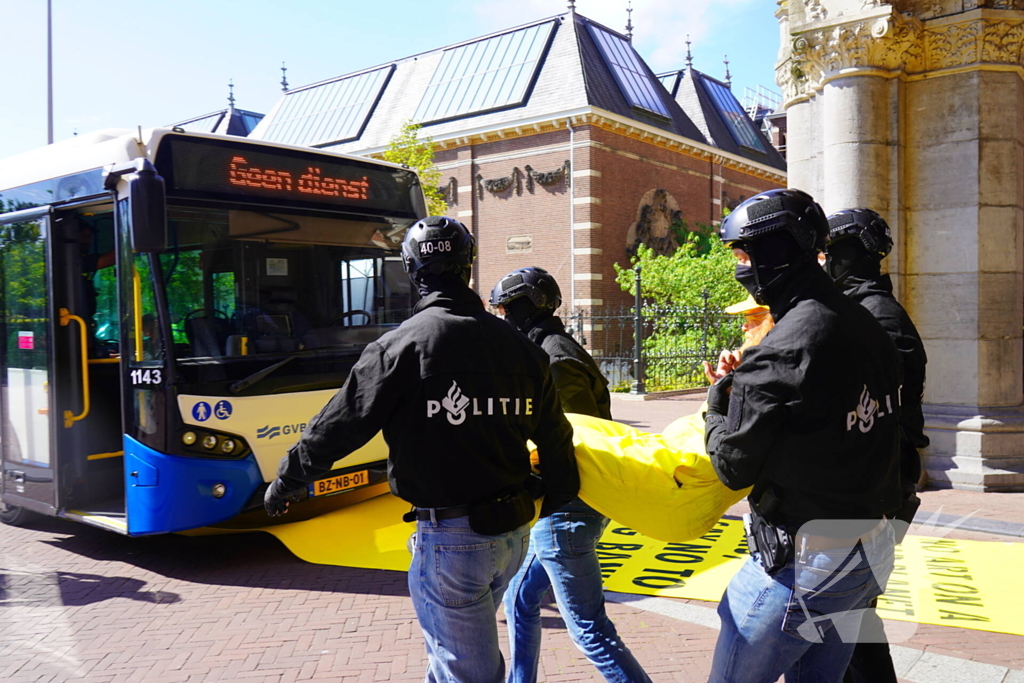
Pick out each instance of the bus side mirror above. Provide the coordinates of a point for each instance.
(147, 202)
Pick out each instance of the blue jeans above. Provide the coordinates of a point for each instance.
(803, 621)
(456, 582)
(562, 557)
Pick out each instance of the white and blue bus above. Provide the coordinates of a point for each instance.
(174, 307)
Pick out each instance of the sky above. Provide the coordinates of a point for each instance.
(119, 64)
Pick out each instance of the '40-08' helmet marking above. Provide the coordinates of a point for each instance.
(457, 405)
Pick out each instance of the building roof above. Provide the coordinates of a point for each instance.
(561, 64)
(228, 121)
(720, 117)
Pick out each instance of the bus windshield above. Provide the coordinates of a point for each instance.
(247, 288)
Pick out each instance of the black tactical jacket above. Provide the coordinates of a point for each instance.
(581, 386)
(875, 294)
(457, 392)
(813, 422)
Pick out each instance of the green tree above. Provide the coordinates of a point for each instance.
(418, 154)
(684, 296)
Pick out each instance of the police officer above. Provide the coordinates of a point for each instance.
(457, 394)
(858, 241)
(809, 418)
(562, 552)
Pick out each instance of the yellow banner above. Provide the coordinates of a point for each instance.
(969, 584)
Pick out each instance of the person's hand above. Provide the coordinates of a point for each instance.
(727, 362)
(277, 498)
(718, 396)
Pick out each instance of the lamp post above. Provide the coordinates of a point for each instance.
(638, 328)
(49, 72)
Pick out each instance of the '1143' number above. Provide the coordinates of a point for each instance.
(140, 376)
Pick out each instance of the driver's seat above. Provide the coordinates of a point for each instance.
(207, 335)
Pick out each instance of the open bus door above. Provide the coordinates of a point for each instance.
(54, 420)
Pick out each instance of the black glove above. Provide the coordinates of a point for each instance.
(277, 497)
(718, 396)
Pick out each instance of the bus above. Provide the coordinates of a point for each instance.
(174, 308)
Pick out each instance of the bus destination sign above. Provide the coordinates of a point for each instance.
(313, 182)
(232, 170)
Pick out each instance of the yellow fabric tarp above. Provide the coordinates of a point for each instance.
(662, 485)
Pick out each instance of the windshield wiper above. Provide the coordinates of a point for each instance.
(255, 377)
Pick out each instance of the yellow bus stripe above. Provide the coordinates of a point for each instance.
(104, 456)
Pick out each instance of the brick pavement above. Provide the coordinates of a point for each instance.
(80, 604)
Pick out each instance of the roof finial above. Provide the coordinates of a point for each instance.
(689, 57)
(284, 78)
(728, 78)
(629, 21)
(572, 5)
(231, 93)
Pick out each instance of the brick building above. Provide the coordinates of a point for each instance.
(559, 146)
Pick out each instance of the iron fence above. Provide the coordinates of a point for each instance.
(673, 342)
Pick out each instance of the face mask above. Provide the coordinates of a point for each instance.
(745, 276)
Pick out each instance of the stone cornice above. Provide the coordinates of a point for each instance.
(622, 126)
(887, 43)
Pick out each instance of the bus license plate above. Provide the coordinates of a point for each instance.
(338, 484)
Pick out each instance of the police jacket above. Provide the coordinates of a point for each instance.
(875, 294)
(457, 393)
(812, 419)
(581, 386)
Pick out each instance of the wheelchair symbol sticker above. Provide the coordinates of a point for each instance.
(201, 411)
(222, 410)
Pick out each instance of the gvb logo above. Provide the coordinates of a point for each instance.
(867, 411)
(457, 405)
(268, 432)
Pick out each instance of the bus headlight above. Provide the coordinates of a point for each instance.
(228, 446)
(209, 442)
(188, 438)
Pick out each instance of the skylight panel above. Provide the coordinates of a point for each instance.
(327, 113)
(486, 75)
(740, 125)
(629, 72)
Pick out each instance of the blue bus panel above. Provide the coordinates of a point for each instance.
(167, 493)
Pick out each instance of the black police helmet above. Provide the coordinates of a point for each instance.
(790, 211)
(438, 244)
(864, 224)
(536, 284)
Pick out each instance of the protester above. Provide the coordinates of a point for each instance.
(858, 241)
(809, 419)
(562, 552)
(457, 393)
(757, 322)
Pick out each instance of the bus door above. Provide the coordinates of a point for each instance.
(29, 404)
(87, 366)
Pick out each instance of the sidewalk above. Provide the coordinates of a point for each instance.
(84, 605)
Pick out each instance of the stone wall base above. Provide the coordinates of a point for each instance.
(975, 448)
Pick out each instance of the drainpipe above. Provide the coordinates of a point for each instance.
(572, 218)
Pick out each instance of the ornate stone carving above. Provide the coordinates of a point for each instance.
(656, 217)
(896, 42)
(815, 11)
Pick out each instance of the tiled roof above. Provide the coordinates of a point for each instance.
(571, 75)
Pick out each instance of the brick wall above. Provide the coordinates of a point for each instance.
(518, 227)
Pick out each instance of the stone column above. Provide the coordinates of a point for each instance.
(916, 109)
